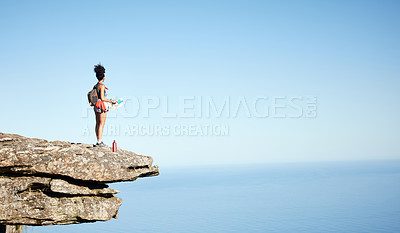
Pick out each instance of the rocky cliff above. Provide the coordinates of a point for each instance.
(47, 183)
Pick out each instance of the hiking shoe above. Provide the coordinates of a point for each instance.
(101, 144)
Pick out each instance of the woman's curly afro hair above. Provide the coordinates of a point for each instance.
(100, 70)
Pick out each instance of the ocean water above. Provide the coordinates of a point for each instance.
(313, 197)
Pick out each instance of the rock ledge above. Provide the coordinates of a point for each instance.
(47, 183)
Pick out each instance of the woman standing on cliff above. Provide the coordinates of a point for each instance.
(100, 109)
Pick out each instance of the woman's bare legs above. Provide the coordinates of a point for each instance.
(100, 122)
(96, 128)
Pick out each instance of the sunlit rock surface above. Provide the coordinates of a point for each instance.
(21, 155)
(47, 183)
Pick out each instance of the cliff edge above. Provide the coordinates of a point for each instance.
(47, 183)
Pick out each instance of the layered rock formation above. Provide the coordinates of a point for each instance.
(46, 183)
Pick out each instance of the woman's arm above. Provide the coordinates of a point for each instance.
(104, 98)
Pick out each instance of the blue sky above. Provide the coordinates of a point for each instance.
(345, 53)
